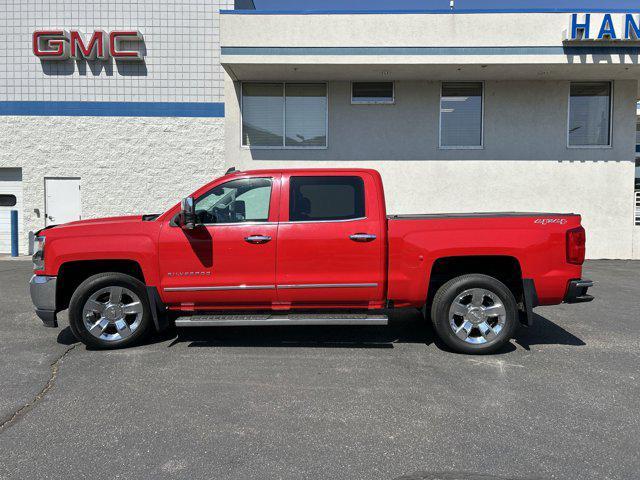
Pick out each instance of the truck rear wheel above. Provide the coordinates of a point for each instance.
(110, 310)
(474, 314)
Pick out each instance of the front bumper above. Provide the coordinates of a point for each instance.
(577, 291)
(43, 296)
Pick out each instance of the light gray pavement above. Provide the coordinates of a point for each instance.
(327, 403)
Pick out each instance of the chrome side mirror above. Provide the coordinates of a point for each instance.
(187, 218)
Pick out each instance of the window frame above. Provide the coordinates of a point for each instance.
(611, 97)
(284, 119)
(392, 101)
(251, 222)
(461, 147)
(287, 205)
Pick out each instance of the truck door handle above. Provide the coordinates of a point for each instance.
(257, 239)
(362, 237)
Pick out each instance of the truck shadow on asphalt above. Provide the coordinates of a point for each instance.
(403, 328)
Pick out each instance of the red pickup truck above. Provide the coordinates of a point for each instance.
(305, 247)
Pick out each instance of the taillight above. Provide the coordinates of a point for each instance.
(576, 241)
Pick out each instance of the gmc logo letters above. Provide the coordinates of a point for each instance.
(63, 45)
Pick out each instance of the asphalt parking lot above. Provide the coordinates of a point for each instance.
(562, 401)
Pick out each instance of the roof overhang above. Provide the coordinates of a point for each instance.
(497, 46)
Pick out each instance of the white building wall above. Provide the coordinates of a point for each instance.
(525, 164)
(400, 29)
(465, 40)
(126, 166)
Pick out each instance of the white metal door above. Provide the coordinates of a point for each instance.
(10, 199)
(62, 200)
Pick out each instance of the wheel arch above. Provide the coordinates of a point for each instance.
(505, 268)
(71, 274)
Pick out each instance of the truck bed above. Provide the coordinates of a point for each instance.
(426, 216)
(535, 240)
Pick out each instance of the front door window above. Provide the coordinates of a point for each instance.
(237, 201)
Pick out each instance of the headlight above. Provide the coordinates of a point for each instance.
(38, 257)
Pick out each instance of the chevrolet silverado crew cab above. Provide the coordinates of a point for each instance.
(305, 247)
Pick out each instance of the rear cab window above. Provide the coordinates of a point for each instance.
(326, 198)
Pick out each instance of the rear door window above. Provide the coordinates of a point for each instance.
(326, 198)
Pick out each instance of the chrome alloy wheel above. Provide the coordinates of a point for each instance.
(477, 316)
(112, 313)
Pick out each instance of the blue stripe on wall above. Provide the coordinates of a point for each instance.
(430, 50)
(114, 109)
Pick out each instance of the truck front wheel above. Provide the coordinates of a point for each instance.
(110, 310)
(474, 314)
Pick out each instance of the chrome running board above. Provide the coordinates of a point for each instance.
(245, 320)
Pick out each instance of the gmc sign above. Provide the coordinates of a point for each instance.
(63, 44)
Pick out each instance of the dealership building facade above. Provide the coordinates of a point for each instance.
(107, 135)
(459, 111)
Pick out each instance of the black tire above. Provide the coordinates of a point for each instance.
(91, 286)
(444, 300)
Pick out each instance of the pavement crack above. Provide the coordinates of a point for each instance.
(24, 409)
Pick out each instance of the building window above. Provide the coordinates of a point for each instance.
(305, 115)
(638, 138)
(284, 115)
(637, 194)
(262, 114)
(8, 200)
(372, 92)
(590, 114)
(325, 198)
(461, 112)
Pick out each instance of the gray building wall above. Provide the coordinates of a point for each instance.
(182, 61)
(525, 164)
